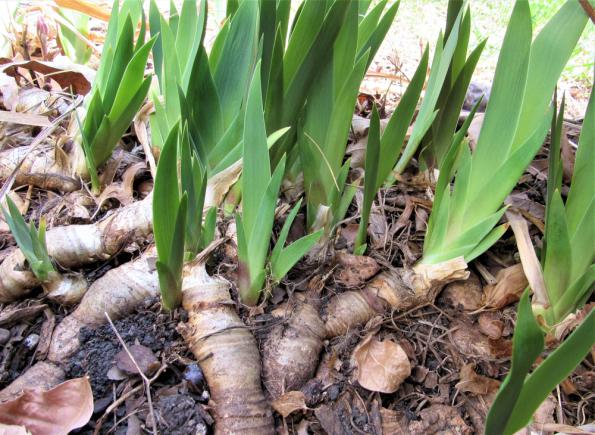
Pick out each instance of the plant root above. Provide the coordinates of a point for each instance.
(44, 375)
(227, 353)
(116, 293)
(74, 245)
(398, 290)
(291, 350)
(288, 351)
(40, 168)
(16, 279)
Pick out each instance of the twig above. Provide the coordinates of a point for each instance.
(588, 9)
(146, 381)
(123, 397)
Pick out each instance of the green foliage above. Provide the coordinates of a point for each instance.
(568, 255)
(178, 41)
(569, 273)
(74, 47)
(463, 219)
(119, 89)
(178, 213)
(521, 393)
(454, 88)
(30, 240)
(324, 126)
(260, 189)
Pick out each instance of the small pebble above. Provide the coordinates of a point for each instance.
(4, 335)
(31, 341)
(194, 375)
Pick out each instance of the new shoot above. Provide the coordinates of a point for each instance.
(568, 273)
(260, 190)
(30, 240)
(118, 91)
(178, 202)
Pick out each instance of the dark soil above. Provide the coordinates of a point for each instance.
(178, 393)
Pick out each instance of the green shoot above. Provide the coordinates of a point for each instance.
(176, 47)
(119, 89)
(30, 240)
(323, 131)
(521, 393)
(464, 218)
(569, 273)
(177, 213)
(441, 65)
(260, 189)
(74, 47)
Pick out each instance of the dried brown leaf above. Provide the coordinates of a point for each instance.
(393, 422)
(471, 382)
(24, 118)
(466, 294)
(64, 72)
(491, 325)
(471, 342)
(440, 419)
(529, 260)
(144, 357)
(355, 269)
(290, 402)
(381, 365)
(20, 313)
(511, 282)
(58, 411)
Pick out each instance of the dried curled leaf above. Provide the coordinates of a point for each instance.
(471, 342)
(61, 69)
(381, 365)
(143, 356)
(511, 282)
(439, 419)
(290, 402)
(57, 411)
(471, 382)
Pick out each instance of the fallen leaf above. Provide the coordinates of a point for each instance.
(144, 357)
(490, 325)
(21, 313)
(346, 235)
(329, 420)
(290, 402)
(530, 263)
(24, 119)
(381, 365)
(571, 321)
(355, 270)
(466, 294)
(439, 419)
(58, 411)
(471, 342)
(393, 422)
(123, 192)
(511, 282)
(471, 382)
(65, 72)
